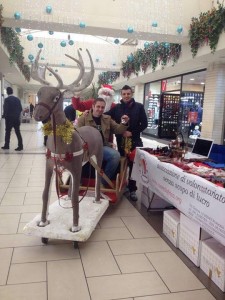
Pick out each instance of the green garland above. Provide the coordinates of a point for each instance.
(108, 77)
(64, 131)
(155, 54)
(207, 29)
(10, 39)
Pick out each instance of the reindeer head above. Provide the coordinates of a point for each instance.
(51, 98)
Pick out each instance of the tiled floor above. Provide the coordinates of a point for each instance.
(125, 258)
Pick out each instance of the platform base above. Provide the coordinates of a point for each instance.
(61, 220)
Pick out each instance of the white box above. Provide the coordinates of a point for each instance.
(190, 238)
(171, 225)
(146, 196)
(212, 261)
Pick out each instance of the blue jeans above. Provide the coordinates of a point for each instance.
(111, 160)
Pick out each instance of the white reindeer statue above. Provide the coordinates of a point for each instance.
(83, 144)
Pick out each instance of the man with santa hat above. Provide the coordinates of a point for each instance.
(106, 92)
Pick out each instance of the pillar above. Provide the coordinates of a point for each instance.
(214, 103)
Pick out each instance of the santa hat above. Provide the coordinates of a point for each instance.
(106, 88)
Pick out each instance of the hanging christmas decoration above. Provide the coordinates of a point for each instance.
(97, 59)
(82, 24)
(130, 57)
(162, 54)
(18, 30)
(17, 15)
(146, 44)
(156, 44)
(179, 29)
(154, 24)
(108, 77)
(51, 32)
(71, 42)
(31, 57)
(116, 41)
(63, 44)
(130, 29)
(40, 45)
(166, 45)
(30, 37)
(11, 41)
(48, 9)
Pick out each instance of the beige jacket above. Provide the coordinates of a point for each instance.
(108, 126)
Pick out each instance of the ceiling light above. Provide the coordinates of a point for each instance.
(202, 82)
(192, 79)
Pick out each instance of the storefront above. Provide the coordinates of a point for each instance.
(175, 104)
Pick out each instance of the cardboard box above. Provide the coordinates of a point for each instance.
(171, 225)
(212, 261)
(190, 238)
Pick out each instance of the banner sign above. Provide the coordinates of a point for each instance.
(194, 196)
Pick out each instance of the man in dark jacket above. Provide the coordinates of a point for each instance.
(12, 109)
(137, 123)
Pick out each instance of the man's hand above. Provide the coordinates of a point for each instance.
(85, 113)
(125, 119)
(127, 134)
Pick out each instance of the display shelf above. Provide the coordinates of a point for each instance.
(168, 121)
(152, 106)
(188, 103)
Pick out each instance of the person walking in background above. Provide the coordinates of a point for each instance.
(131, 138)
(31, 110)
(12, 109)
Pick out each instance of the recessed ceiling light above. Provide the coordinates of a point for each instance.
(202, 82)
(192, 79)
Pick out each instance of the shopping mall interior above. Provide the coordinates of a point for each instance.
(147, 45)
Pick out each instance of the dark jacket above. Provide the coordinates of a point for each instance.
(137, 123)
(12, 108)
(70, 113)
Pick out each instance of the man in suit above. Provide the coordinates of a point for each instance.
(12, 109)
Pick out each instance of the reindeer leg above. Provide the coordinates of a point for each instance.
(76, 176)
(45, 194)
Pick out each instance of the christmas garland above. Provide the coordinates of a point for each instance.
(152, 56)
(108, 77)
(64, 131)
(11, 41)
(207, 29)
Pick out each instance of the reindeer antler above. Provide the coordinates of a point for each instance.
(86, 77)
(38, 72)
